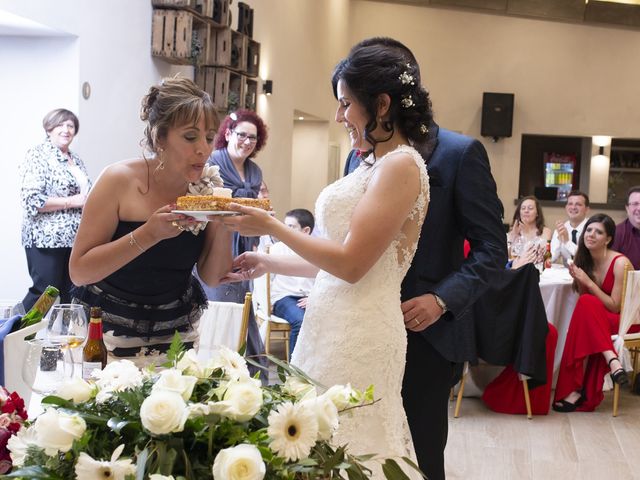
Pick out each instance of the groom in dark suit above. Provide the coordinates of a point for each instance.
(441, 286)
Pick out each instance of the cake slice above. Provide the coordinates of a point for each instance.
(218, 203)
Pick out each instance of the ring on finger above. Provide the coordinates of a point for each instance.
(417, 322)
(175, 224)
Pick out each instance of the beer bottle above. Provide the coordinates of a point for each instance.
(41, 307)
(94, 353)
(547, 256)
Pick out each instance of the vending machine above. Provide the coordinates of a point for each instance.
(559, 171)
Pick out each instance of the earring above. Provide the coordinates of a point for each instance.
(160, 160)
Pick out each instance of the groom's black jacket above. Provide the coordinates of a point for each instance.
(464, 204)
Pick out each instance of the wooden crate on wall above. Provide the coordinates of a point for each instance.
(171, 36)
(253, 58)
(205, 37)
(225, 87)
(175, 3)
(231, 49)
(220, 13)
(250, 93)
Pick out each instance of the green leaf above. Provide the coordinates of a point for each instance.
(392, 470)
(411, 463)
(176, 351)
(141, 463)
(32, 472)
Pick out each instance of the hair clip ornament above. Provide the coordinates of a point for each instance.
(406, 78)
(407, 101)
(424, 129)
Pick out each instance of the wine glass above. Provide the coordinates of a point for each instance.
(44, 367)
(9, 308)
(67, 325)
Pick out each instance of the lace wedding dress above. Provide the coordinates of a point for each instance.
(354, 333)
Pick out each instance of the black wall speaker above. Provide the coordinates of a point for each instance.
(245, 19)
(497, 115)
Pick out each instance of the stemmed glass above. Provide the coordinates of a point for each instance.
(67, 326)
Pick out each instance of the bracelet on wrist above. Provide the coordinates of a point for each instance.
(134, 242)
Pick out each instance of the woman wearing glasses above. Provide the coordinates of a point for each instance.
(241, 135)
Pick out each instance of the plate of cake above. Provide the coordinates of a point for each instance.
(201, 206)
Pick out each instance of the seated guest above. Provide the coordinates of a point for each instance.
(289, 294)
(564, 242)
(528, 230)
(598, 275)
(627, 238)
(132, 256)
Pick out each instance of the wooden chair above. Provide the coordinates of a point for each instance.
(629, 315)
(224, 323)
(525, 391)
(276, 328)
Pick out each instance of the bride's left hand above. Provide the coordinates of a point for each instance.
(252, 223)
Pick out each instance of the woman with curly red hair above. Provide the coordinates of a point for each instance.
(241, 135)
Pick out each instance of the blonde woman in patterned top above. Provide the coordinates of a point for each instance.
(54, 186)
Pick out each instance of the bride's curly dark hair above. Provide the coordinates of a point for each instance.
(376, 66)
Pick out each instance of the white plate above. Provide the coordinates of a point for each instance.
(201, 215)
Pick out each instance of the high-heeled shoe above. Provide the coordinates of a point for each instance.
(565, 407)
(619, 376)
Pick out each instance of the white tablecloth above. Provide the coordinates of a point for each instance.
(559, 302)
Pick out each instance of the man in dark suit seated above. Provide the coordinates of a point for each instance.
(441, 286)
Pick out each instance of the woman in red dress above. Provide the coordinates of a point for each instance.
(598, 275)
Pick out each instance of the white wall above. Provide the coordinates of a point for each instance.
(568, 79)
(310, 161)
(26, 96)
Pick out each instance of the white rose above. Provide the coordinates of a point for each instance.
(241, 401)
(299, 388)
(242, 462)
(326, 414)
(340, 395)
(76, 390)
(173, 381)
(163, 412)
(19, 443)
(56, 431)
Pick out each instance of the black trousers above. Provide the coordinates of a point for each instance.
(48, 266)
(428, 378)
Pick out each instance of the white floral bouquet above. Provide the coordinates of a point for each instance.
(192, 420)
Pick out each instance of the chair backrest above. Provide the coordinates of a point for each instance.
(15, 350)
(224, 323)
(262, 293)
(630, 302)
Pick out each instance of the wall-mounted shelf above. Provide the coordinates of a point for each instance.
(198, 33)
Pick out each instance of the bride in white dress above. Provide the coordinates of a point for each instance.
(369, 224)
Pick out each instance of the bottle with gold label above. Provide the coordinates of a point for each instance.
(41, 307)
(94, 353)
(547, 256)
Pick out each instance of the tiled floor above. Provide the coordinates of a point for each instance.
(484, 445)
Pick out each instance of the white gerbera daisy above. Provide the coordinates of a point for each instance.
(89, 469)
(293, 429)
